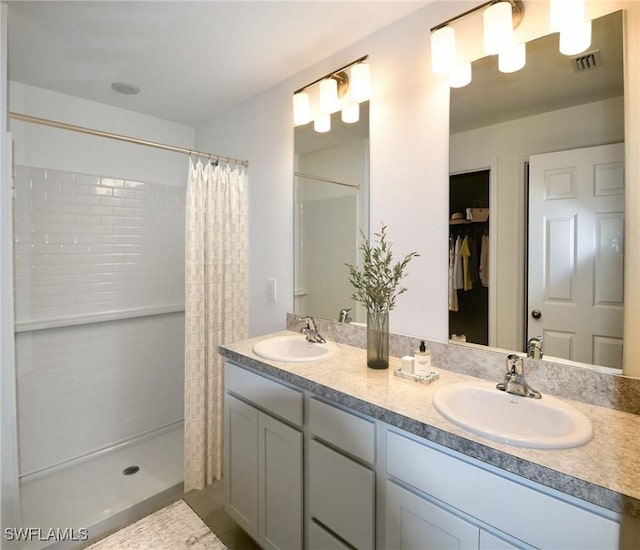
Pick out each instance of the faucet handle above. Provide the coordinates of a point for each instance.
(514, 365)
(309, 322)
(534, 347)
(344, 316)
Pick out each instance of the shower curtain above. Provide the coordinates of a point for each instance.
(215, 308)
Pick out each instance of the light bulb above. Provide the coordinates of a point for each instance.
(498, 28)
(563, 13)
(576, 38)
(301, 108)
(322, 124)
(460, 76)
(328, 95)
(360, 85)
(512, 59)
(443, 50)
(351, 113)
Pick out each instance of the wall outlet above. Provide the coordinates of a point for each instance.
(272, 290)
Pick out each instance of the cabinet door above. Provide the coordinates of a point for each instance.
(320, 539)
(280, 484)
(342, 495)
(241, 464)
(414, 523)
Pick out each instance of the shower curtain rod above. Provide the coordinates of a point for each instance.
(318, 178)
(119, 137)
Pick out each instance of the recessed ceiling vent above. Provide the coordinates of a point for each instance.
(586, 61)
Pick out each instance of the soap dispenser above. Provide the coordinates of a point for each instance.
(422, 360)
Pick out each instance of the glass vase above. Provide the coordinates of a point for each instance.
(378, 339)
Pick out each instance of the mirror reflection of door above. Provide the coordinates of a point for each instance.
(468, 257)
(575, 272)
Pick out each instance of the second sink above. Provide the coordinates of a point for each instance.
(546, 423)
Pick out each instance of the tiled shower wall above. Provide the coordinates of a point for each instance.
(99, 293)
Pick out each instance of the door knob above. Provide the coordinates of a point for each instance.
(536, 313)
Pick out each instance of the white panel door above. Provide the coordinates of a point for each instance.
(241, 464)
(414, 523)
(576, 253)
(280, 490)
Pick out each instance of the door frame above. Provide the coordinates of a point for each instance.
(492, 166)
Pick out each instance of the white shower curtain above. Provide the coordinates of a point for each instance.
(215, 308)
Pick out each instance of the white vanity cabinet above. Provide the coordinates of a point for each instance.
(263, 458)
(341, 478)
(370, 485)
(474, 497)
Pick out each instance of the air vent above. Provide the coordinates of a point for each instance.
(586, 61)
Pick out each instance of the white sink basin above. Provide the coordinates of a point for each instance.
(293, 348)
(546, 423)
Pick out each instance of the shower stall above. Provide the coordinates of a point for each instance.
(98, 262)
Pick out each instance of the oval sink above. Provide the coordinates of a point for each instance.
(293, 348)
(546, 423)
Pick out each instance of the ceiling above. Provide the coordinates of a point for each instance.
(191, 60)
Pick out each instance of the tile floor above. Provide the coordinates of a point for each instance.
(209, 505)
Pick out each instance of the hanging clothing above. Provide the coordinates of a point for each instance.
(474, 260)
(465, 254)
(453, 293)
(216, 308)
(484, 261)
(458, 275)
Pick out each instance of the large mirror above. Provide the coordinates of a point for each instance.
(331, 201)
(537, 193)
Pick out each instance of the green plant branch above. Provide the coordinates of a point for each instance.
(376, 282)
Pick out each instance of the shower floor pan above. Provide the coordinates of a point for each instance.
(95, 494)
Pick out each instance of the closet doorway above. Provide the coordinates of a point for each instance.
(469, 257)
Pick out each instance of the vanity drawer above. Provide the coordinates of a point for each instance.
(321, 539)
(343, 430)
(548, 521)
(271, 396)
(342, 495)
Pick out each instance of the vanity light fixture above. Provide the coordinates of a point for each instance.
(351, 113)
(328, 95)
(301, 108)
(500, 17)
(322, 123)
(568, 17)
(341, 90)
(360, 88)
(512, 59)
(498, 28)
(460, 76)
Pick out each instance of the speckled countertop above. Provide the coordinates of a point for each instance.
(605, 471)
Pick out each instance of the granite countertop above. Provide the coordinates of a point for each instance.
(605, 471)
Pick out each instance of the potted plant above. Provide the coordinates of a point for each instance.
(377, 285)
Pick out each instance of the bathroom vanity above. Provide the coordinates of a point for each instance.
(331, 454)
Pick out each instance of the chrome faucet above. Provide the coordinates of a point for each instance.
(534, 347)
(344, 316)
(514, 381)
(311, 331)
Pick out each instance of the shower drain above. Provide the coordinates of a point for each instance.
(130, 470)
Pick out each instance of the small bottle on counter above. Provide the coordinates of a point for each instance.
(422, 360)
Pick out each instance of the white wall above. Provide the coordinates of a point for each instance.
(508, 145)
(409, 138)
(44, 147)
